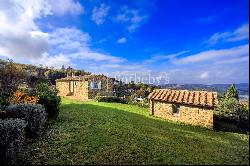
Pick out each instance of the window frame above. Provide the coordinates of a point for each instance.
(95, 85)
(176, 110)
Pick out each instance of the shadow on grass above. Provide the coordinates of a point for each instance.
(228, 125)
(98, 133)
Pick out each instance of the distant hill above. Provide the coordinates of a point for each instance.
(40, 72)
(52, 74)
(243, 88)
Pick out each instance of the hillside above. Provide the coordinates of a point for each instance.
(52, 74)
(45, 73)
(112, 133)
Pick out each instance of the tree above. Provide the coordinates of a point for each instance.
(232, 92)
(229, 108)
(52, 75)
(11, 76)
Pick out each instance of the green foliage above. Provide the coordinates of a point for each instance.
(230, 110)
(229, 107)
(141, 103)
(40, 74)
(99, 133)
(33, 114)
(48, 97)
(141, 89)
(12, 142)
(110, 99)
(11, 75)
(52, 75)
(232, 92)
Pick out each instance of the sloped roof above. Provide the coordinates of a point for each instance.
(82, 78)
(194, 98)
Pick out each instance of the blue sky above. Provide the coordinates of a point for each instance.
(182, 41)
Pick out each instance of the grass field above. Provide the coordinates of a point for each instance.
(112, 133)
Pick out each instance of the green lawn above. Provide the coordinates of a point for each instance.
(113, 133)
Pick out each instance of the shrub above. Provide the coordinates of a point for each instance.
(48, 97)
(11, 75)
(34, 115)
(230, 110)
(12, 142)
(142, 103)
(110, 99)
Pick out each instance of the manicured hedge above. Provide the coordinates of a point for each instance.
(12, 142)
(110, 99)
(33, 114)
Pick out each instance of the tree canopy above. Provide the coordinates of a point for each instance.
(232, 92)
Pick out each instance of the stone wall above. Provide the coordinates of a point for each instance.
(196, 116)
(79, 89)
(106, 88)
(73, 89)
(63, 87)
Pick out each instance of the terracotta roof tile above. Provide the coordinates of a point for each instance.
(80, 78)
(195, 98)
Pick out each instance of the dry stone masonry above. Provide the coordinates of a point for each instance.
(191, 107)
(85, 87)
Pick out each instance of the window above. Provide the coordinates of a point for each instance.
(176, 109)
(95, 85)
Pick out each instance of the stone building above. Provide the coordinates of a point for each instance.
(85, 87)
(191, 107)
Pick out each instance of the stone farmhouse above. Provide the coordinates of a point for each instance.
(190, 107)
(85, 87)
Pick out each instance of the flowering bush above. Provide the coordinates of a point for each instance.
(21, 97)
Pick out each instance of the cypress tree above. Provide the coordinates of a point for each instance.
(232, 92)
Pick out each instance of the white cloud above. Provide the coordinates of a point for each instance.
(234, 60)
(239, 34)
(204, 75)
(160, 57)
(122, 40)
(66, 6)
(230, 65)
(67, 39)
(53, 61)
(215, 55)
(134, 18)
(99, 13)
(20, 36)
(26, 41)
(75, 44)
(95, 56)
